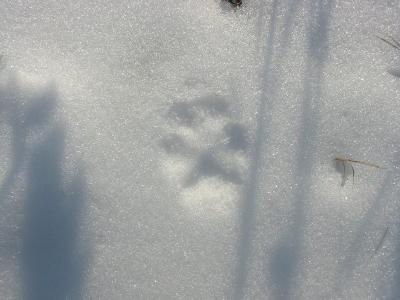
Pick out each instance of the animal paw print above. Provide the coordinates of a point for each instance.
(206, 153)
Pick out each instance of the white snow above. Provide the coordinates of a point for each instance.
(185, 149)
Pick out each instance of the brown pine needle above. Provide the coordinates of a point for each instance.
(382, 240)
(349, 161)
(392, 42)
(365, 163)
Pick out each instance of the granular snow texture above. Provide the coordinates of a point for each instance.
(186, 149)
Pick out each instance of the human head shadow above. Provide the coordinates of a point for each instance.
(23, 117)
(53, 261)
(53, 257)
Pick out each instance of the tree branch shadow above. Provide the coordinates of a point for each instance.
(248, 202)
(395, 291)
(361, 246)
(285, 262)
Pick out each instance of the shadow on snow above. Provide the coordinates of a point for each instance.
(53, 257)
(284, 264)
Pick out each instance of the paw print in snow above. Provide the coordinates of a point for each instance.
(205, 153)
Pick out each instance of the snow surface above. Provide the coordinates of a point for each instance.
(185, 150)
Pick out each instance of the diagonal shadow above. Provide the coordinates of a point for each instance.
(395, 291)
(248, 205)
(354, 253)
(285, 265)
(248, 200)
(285, 40)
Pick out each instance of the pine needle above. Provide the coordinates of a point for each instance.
(390, 41)
(365, 163)
(382, 240)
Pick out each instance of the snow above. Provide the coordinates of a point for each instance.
(185, 150)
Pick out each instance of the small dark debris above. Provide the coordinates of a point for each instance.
(235, 3)
(382, 240)
(390, 41)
